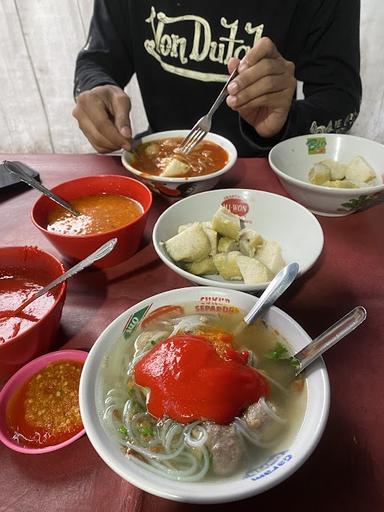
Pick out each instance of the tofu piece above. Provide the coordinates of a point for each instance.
(203, 267)
(190, 245)
(152, 149)
(212, 236)
(337, 169)
(252, 270)
(340, 184)
(319, 174)
(175, 168)
(182, 227)
(270, 255)
(359, 169)
(226, 223)
(226, 264)
(226, 244)
(249, 242)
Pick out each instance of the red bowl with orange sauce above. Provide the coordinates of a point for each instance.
(77, 246)
(22, 268)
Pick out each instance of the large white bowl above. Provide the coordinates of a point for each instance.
(256, 479)
(175, 188)
(275, 217)
(293, 158)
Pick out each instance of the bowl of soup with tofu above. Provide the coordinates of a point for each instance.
(109, 206)
(331, 174)
(24, 271)
(155, 159)
(184, 401)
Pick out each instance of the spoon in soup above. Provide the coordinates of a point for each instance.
(86, 262)
(18, 168)
(273, 291)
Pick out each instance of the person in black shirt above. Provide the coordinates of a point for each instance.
(181, 51)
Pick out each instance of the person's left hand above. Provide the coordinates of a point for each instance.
(262, 92)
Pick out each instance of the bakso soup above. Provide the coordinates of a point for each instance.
(187, 398)
(161, 158)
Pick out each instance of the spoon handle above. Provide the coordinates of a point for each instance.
(276, 287)
(328, 338)
(17, 168)
(96, 255)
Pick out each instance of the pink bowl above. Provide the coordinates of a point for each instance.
(77, 247)
(17, 380)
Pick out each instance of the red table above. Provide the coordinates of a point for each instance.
(346, 471)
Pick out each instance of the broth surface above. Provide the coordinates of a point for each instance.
(206, 158)
(99, 213)
(16, 286)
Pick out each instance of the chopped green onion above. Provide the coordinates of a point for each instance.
(123, 430)
(281, 353)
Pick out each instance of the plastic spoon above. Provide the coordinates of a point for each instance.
(17, 168)
(96, 255)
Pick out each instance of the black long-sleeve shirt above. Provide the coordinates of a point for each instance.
(180, 50)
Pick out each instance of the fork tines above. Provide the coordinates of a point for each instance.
(196, 135)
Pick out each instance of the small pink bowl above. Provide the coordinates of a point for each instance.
(17, 380)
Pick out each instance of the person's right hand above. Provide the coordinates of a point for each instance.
(103, 117)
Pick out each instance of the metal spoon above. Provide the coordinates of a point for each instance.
(18, 168)
(96, 255)
(276, 287)
(328, 338)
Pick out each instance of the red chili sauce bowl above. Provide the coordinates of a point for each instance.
(77, 247)
(13, 394)
(34, 337)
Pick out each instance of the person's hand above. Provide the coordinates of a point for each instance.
(103, 117)
(263, 90)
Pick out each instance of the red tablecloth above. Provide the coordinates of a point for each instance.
(346, 471)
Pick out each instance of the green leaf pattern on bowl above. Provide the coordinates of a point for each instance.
(362, 202)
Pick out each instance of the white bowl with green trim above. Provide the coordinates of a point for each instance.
(268, 469)
(292, 160)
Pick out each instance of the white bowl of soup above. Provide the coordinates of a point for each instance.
(154, 160)
(236, 238)
(331, 174)
(183, 403)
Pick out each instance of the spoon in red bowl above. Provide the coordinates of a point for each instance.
(86, 262)
(18, 168)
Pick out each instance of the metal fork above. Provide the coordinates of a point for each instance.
(203, 125)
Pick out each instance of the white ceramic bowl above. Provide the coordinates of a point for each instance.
(292, 160)
(275, 217)
(175, 188)
(259, 477)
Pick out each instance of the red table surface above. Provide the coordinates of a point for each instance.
(346, 471)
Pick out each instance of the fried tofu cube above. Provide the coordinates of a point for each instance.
(359, 169)
(249, 242)
(252, 270)
(175, 168)
(340, 184)
(226, 264)
(319, 174)
(192, 244)
(226, 223)
(203, 267)
(226, 244)
(270, 255)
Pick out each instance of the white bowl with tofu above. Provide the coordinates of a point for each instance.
(331, 174)
(236, 238)
(154, 161)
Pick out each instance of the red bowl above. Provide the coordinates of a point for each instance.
(77, 247)
(39, 337)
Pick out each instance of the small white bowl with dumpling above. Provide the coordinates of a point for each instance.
(331, 174)
(155, 161)
(191, 433)
(236, 238)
